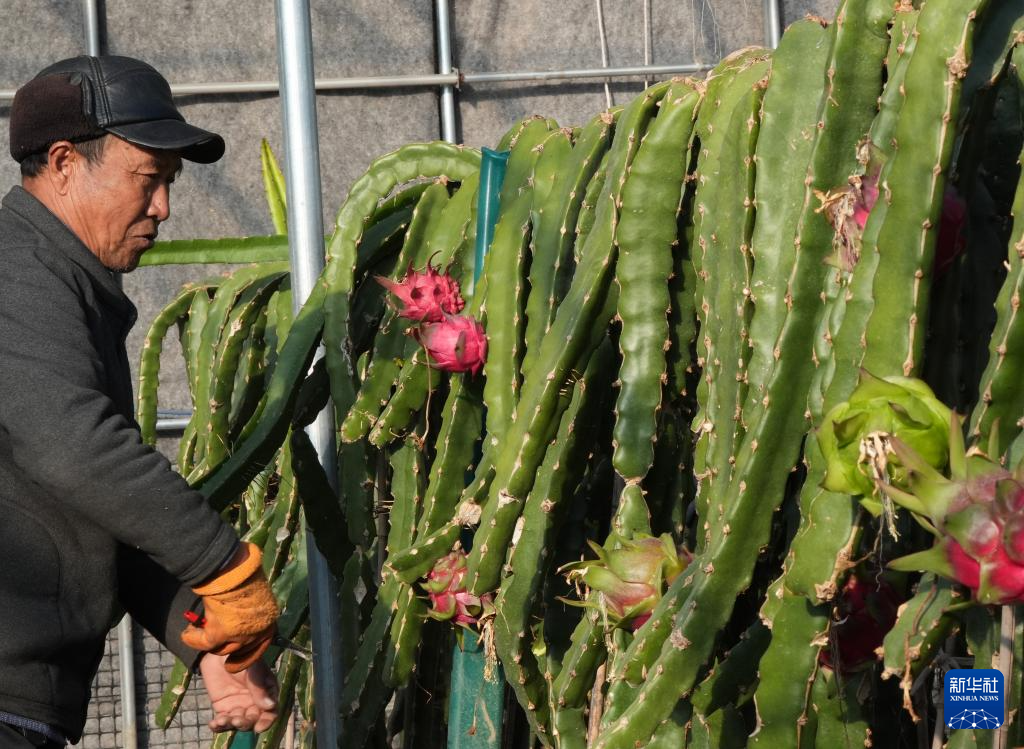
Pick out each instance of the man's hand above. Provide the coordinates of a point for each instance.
(240, 612)
(243, 701)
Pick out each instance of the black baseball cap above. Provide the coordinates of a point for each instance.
(86, 97)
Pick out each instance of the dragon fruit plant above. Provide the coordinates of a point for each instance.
(976, 515)
(865, 611)
(855, 436)
(631, 578)
(449, 600)
(675, 332)
(457, 343)
(426, 296)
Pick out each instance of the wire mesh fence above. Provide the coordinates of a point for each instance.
(105, 722)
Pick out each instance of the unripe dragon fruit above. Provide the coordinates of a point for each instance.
(630, 579)
(457, 344)
(865, 611)
(449, 600)
(976, 516)
(854, 435)
(425, 296)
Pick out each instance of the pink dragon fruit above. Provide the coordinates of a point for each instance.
(847, 209)
(951, 241)
(457, 344)
(864, 612)
(449, 599)
(976, 516)
(426, 296)
(630, 579)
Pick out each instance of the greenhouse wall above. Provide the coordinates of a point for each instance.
(196, 41)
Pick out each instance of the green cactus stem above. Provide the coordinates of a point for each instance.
(645, 234)
(515, 467)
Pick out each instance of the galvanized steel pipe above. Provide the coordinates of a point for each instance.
(92, 27)
(306, 245)
(454, 78)
(772, 23)
(616, 72)
(444, 67)
(126, 662)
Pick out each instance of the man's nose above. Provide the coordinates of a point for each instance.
(160, 203)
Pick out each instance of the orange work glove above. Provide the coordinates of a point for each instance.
(241, 614)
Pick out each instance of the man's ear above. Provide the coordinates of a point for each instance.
(61, 160)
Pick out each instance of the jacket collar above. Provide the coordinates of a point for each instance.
(62, 239)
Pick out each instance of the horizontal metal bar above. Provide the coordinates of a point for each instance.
(455, 78)
(321, 84)
(171, 422)
(620, 72)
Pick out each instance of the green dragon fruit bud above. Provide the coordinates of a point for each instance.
(976, 515)
(856, 436)
(631, 578)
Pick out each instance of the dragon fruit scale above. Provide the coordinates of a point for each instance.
(426, 296)
(978, 518)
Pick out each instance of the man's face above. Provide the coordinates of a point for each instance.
(120, 200)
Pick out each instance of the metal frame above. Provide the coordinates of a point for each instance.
(451, 80)
(125, 638)
(306, 245)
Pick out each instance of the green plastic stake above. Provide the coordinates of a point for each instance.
(492, 174)
(476, 702)
(477, 697)
(244, 740)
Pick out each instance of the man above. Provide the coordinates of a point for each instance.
(93, 522)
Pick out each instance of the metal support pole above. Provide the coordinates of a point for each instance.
(444, 67)
(306, 243)
(92, 27)
(772, 23)
(126, 656)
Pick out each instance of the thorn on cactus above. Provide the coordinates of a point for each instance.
(426, 296)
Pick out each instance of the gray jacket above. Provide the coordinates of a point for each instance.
(92, 521)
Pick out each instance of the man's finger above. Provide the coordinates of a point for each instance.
(262, 685)
(265, 721)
